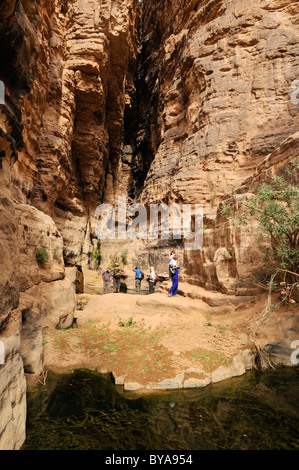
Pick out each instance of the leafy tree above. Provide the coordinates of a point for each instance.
(276, 207)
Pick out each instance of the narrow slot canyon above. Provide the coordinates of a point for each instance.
(156, 103)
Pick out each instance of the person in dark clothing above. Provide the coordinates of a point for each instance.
(116, 278)
(79, 280)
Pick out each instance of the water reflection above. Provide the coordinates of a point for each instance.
(84, 410)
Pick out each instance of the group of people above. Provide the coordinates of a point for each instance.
(115, 275)
(152, 277)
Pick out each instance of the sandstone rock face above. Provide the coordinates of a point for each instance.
(68, 69)
(73, 138)
(9, 277)
(12, 379)
(210, 111)
(41, 247)
(231, 253)
(26, 286)
(46, 297)
(12, 391)
(216, 106)
(42, 297)
(220, 76)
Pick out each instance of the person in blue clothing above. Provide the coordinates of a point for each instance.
(175, 278)
(138, 279)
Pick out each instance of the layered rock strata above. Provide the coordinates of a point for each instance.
(216, 80)
(232, 252)
(219, 76)
(71, 100)
(68, 70)
(210, 112)
(34, 295)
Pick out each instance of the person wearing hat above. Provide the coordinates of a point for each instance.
(106, 276)
(151, 279)
(116, 278)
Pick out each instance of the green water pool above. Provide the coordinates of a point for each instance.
(84, 410)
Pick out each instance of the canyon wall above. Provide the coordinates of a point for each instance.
(72, 117)
(219, 77)
(160, 101)
(215, 82)
(68, 69)
(34, 293)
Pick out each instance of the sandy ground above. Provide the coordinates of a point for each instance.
(150, 338)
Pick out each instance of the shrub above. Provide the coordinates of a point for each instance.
(57, 253)
(96, 255)
(276, 207)
(42, 256)
(123, 257)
